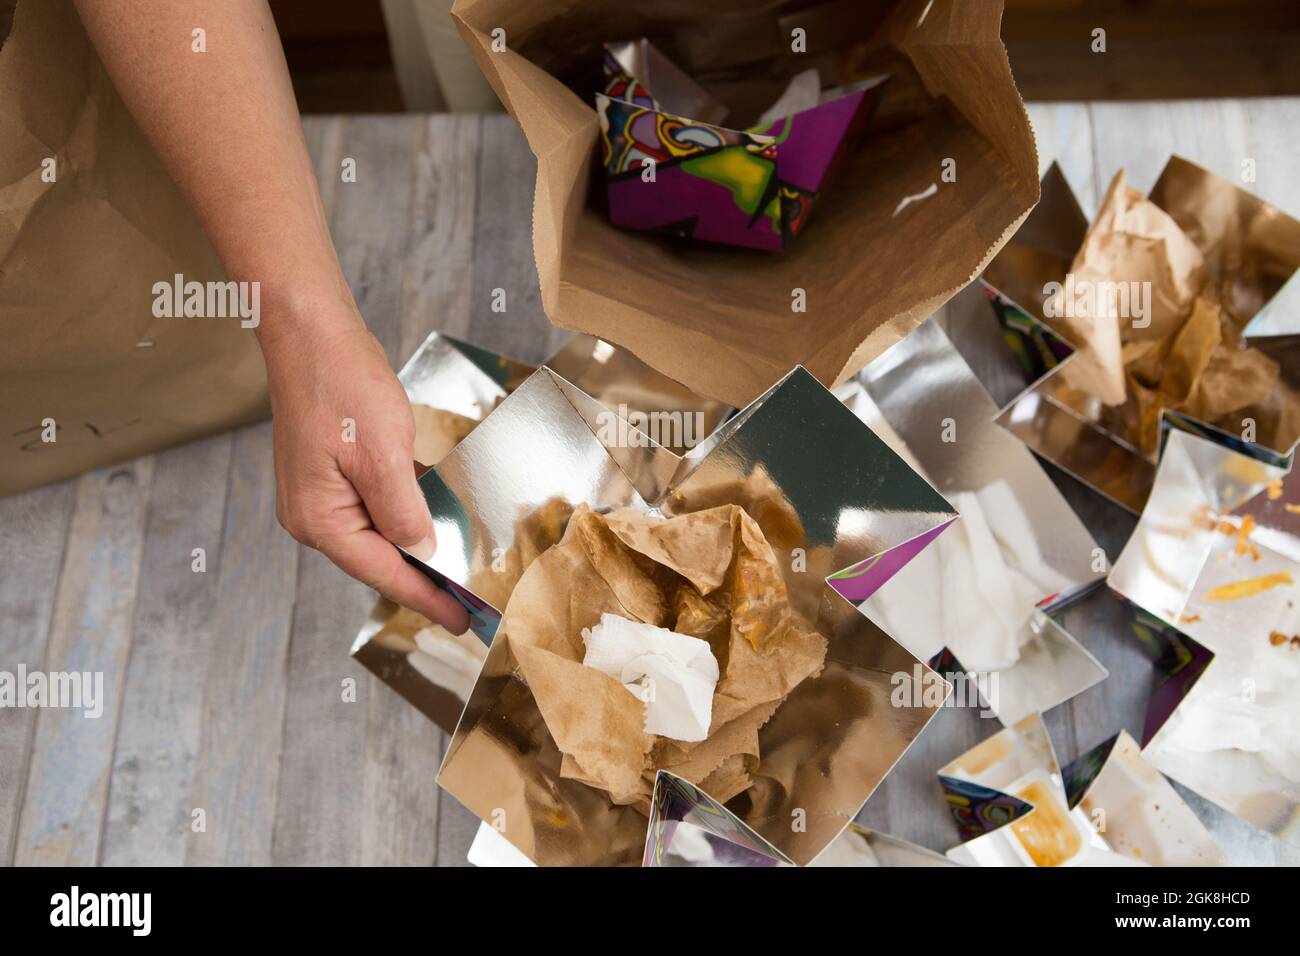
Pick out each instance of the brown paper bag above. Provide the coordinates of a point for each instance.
(892, 238)
(79, 257)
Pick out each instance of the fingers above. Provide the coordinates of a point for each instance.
(394, 501)
(374, 561)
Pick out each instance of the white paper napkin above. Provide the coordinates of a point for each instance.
(674, 674)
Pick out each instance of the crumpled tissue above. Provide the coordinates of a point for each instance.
(673, 674)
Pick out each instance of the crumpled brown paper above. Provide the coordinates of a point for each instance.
(709, 574)
(437, 431)
(1190, 356)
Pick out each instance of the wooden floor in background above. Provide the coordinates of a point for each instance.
(225, 701)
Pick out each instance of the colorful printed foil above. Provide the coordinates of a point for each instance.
(690, 177)
(1213, 574)
(1251, 250)
(980, 591)
(826, 492)
(1014, 806)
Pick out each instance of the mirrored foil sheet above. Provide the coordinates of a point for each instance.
(1216, 556)
(830, 495)
(858, 846)
(814, 478)
(454, 376)
(976, 591)
(1276, 329)
(1255, 279)
(1016, 807)
(452, 386)
(673, 88)
(428, 665)
(687, 827)
(1139, 814)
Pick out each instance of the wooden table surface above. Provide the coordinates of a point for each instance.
(226, 737)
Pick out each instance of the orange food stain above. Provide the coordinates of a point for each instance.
(1046, 834)
(1248, 588)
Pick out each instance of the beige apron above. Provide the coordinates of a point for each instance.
(89, 222)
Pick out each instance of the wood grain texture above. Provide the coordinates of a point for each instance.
(226, 688)
(438, 267)
(71, 758)
(174, 639)
(35, 529)
(503, 249)
(236, 771)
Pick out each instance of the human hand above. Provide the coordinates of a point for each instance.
(345, 478)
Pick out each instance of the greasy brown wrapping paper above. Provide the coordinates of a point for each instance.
(710, 574)
(819, 484)
(452, 387)
(1190, 357)
(78, 260)
(872, 264)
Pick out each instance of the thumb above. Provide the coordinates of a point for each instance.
(395, 503)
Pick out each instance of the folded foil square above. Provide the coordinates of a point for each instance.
(670, 168)
(452, 386)
(1211, 572)
(1251, 251)
(1014, 806)
(984, 590)
(690, 829)
(859, 846)
(828, 495)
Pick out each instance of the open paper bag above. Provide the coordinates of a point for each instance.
(944, 173)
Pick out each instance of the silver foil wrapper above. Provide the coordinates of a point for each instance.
(1015, 806)
(833, 501)
(1215, 562)
(983, 591)
(1252, 251)
(452, 386)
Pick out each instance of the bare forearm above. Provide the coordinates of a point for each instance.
(226, 126)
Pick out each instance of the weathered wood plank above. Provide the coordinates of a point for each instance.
(35, 527)
(158, 738)
(68, 776)
(236, 770)
(503, 249)
(401, 804)
(438, 267)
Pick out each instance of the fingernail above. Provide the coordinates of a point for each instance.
(423, 550)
